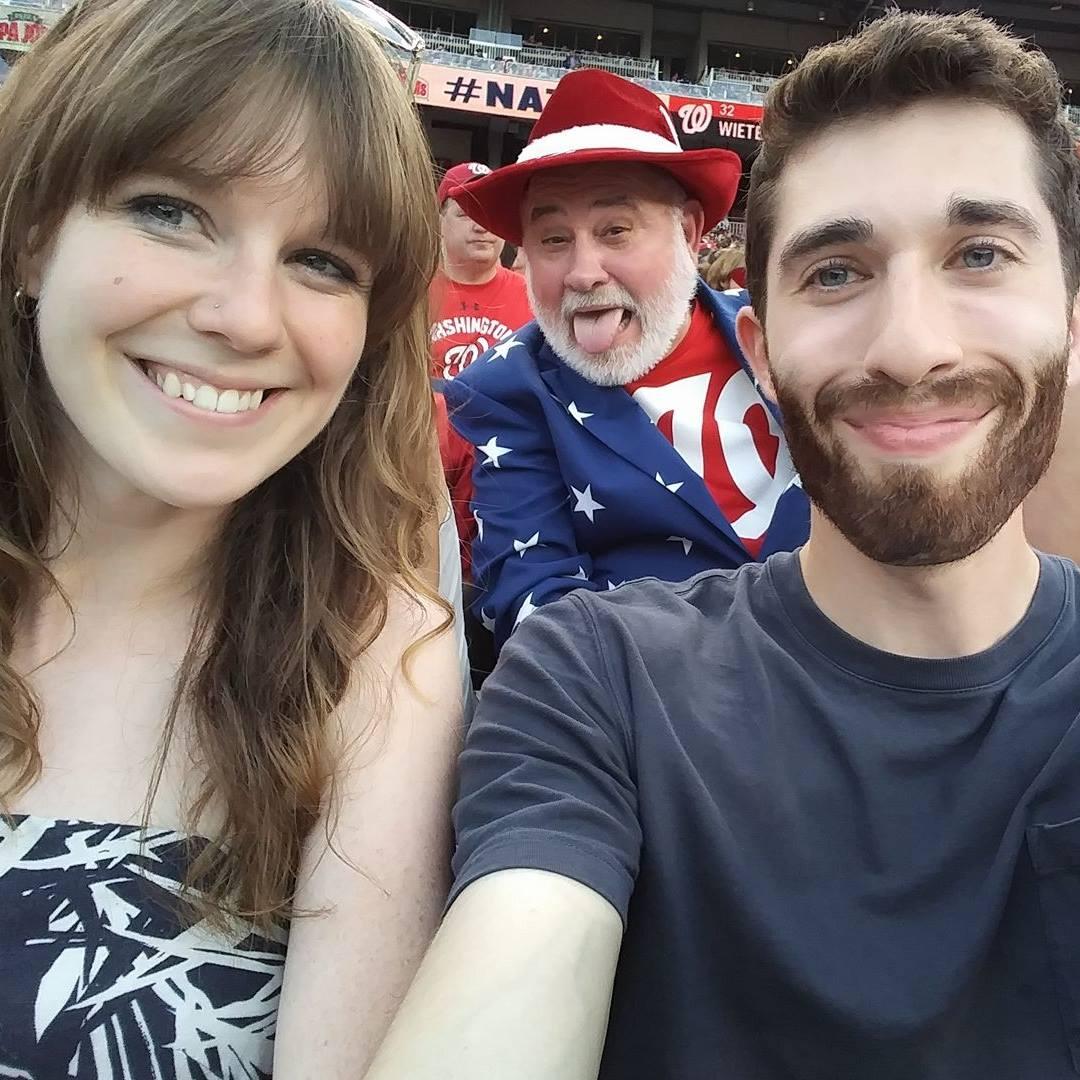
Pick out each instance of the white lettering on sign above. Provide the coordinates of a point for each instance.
(733, 129)
(695, 118)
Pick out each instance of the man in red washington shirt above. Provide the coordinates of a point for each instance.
(475, 304)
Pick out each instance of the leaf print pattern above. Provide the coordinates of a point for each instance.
(100, 978)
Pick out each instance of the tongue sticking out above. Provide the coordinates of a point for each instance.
(596, 330)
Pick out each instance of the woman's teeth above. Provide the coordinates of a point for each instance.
(205, 397)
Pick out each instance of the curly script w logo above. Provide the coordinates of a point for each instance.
(459, 357)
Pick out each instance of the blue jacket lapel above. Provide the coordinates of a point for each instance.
(613, 417)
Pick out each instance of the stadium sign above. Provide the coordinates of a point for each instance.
(728, 119)
(500, 94)
(482, 91)
(19, 29)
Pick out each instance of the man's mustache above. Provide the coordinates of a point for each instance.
(1000, 387)
(608, 296)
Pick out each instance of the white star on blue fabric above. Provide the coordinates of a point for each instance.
(577, 414)
(503, 350)
(581, 575)
(521, 546)
(670, 487)
(613, 585)
(686, 544)
(488, 621)
(492, 451)
(479, 524)
(526, 609)
(586, 504)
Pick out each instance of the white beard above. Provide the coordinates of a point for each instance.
(661, 317)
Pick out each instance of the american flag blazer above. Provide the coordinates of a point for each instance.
(575, 487)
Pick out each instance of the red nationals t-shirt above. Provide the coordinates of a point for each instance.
(703, 402)
(467, 320)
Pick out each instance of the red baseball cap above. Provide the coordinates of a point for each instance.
(594, 116)
(459, 175)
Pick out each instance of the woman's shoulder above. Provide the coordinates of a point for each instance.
(413, 621)
(412, 660)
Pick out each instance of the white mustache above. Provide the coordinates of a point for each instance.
(609, 296)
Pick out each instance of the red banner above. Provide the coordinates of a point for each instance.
(728, 119)
(19, 30)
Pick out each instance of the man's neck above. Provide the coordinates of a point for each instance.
(470, 273)
(684, 329)
(938, 612)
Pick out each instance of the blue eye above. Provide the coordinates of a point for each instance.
(325, 265)
(162, 210)
(980, 258)
(832, 277)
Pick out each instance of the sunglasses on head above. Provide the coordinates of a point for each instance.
(383, 25)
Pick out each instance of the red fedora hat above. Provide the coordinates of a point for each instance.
(592, 117)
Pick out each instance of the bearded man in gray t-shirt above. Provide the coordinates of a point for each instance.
(818, 819)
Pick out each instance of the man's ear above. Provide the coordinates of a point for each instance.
(751, 337)
(693, 217)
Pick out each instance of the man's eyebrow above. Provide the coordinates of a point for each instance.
(539, 212)
(824, 235)
(603, 203)
(966, 211)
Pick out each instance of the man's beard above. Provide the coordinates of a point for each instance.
(907, 517)
(661, 317)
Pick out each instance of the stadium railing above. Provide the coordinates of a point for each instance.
(531, 57)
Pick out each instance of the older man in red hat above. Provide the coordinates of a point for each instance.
(622, 435)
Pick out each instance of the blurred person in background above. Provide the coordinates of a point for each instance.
(1052, 510)
(726, 270)
(475, 302)
(513, 258)
(228, 712)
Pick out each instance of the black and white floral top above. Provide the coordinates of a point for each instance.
(101, 979)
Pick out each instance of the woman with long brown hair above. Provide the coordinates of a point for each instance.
(228, 714)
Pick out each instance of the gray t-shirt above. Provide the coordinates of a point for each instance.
(833, 863)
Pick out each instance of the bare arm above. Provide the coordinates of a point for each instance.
(517, 985)
(347, 970)
(1052, 510)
